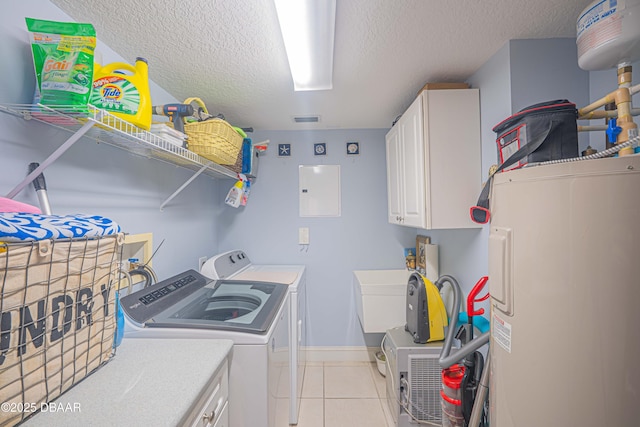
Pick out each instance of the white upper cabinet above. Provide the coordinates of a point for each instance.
(433, 161)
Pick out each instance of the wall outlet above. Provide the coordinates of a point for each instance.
(303, 235)
(201, 261)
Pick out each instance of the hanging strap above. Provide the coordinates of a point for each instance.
(480, 213)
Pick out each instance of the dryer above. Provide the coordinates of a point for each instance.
(253, 314)
(236, 265)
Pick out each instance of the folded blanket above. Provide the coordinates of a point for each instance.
(20, 227)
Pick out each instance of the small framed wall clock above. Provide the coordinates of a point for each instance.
(353, 148)
(320, 149)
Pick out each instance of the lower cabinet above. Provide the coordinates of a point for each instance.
(214, 412)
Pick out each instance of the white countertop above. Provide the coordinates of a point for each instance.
(149, 382)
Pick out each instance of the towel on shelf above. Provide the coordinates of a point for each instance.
(21, 227)
(9, 205)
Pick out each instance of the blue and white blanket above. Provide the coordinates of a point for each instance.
(20, 227)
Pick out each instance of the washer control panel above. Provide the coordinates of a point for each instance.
(225, 264)
(157, 294)
(146, 303)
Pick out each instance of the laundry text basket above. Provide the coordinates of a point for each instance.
(57, 320)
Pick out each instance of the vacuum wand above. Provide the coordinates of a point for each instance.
(175, 112)
(41, 190)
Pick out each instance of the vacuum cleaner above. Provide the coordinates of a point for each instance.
(426, 313)
(475, 379)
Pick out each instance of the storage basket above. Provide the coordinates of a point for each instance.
(215, 140)
(57, 318)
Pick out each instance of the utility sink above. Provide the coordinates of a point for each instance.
(381, 297)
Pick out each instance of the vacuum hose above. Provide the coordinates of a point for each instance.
(446, 360)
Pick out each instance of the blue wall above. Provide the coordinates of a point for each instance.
(360, 239)
(544, 70)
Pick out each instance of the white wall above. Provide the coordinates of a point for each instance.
(96, 178)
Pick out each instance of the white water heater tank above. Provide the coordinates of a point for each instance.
(608, 34)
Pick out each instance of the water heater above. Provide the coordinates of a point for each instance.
(565, 293)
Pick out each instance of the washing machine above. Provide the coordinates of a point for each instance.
(251, 313)
(237, 265)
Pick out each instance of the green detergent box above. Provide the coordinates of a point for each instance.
(63, 61)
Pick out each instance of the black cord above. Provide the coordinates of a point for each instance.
(154, 253)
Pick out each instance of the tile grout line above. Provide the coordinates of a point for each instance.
(323, 399)
(372, 373)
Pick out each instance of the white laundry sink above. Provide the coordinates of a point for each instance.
(381, 298)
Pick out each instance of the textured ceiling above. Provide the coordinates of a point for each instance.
(230, 52)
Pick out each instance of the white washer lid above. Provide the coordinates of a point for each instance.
(286, 277)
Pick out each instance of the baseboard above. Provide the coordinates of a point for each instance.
(340, 354)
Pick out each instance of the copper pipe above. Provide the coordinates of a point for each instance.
(582, 112)
(607, 114)
(623, 106)
(592, 128)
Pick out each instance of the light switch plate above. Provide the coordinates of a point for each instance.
(303, 236)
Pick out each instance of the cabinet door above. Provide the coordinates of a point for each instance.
(452, 138)
(216, 403)
(394, 180)
(223, 418)
(412, 166)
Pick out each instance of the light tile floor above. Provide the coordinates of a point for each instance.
(343, 394)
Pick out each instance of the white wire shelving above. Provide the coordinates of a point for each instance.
(106, 128)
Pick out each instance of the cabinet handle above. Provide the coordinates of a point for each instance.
(208, 419)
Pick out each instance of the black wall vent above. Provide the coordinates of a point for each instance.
(306, 119)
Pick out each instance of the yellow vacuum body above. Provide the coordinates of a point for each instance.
(426, 313)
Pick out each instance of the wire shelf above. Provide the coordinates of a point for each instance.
(114, 131)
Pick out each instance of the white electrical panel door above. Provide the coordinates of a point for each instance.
(319, 188)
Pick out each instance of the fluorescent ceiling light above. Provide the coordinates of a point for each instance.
(308, 28)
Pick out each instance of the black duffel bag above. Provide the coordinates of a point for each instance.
(538, 133)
